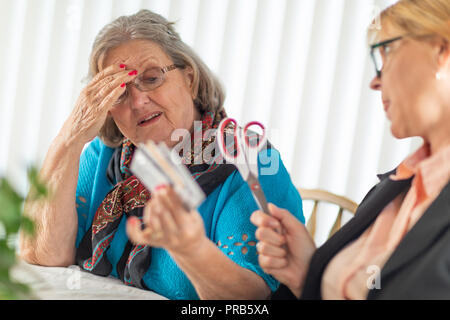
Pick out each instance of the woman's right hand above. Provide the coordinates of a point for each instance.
(285, 256)
(95, 101)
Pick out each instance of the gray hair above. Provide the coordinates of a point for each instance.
(150, 26)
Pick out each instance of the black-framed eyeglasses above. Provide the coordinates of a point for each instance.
(150, 79)
(378, 51)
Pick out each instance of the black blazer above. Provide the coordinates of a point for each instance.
(419, 268)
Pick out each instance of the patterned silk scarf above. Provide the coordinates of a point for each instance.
(129, 197)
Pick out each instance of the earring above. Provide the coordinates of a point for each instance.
(438, 76)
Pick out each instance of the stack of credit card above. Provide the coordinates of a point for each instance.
(154, 165)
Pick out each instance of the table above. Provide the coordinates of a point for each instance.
(72, 283)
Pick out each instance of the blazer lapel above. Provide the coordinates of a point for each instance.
(368, 210)
(422, 235)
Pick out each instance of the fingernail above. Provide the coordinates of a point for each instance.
(160, 187)
(132, 73)
(274, 224)
(123, 85)
(122, 66)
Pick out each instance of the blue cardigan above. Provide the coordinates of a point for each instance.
(225, 212)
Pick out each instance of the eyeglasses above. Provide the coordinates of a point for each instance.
(149, 80)
(379, 51)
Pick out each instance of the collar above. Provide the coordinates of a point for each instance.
(432, 171)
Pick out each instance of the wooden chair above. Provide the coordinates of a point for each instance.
(317, 196)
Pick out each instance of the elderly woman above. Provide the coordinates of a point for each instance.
(398, 244)
(146, 83)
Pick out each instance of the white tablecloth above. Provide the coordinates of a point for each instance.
(72, 283)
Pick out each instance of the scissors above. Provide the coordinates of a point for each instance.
(245, 155)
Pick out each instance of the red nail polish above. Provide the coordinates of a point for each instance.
(132, 73)
(122, 66)
(123, 85)
(160, 187)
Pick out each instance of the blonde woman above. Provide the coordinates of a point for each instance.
(147, 83)
(398, 244)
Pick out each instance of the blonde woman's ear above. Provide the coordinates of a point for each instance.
(444, 53)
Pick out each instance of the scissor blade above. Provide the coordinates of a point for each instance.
(257, 193)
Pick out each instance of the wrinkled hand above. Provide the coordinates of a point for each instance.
(285, 256)
(95, 101)
(168, 225)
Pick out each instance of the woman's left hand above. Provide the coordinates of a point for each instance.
(168, 224)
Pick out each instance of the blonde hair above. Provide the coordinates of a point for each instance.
(150, 26)
(417, 18)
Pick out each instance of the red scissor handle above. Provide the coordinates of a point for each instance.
(260, 140)
(222, 143)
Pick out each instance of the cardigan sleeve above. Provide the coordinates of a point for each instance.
(234, 233)
(92, 184)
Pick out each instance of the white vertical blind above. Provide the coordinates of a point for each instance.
(179, 10)
(237, 54)
(299, 66)
(291, 77)
(14, 20)
(316, 100)
(263, 62)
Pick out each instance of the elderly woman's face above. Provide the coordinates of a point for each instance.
(170, 106)
(410, 91)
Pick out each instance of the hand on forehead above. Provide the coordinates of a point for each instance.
(131, 63)
(137, 56)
